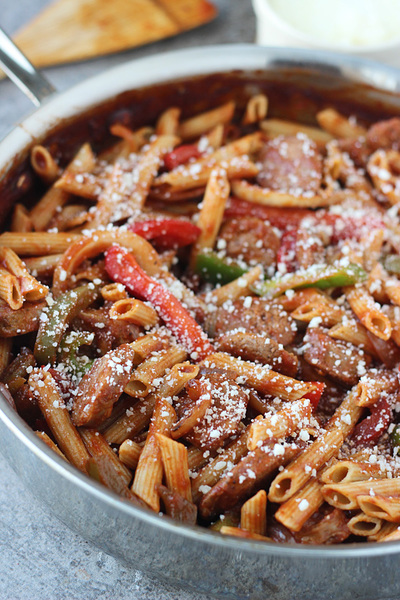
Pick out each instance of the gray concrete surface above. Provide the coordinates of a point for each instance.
(40, 558)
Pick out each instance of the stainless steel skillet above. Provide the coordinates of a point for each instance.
(195, 557)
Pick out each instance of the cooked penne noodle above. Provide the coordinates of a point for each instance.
(112, 292)
(21, 221)
(235, 289)
(345, 495)
(266, 197)
(168, 122)
(196, 126)
(57, 417)
(149, 471)
(296, 511)
(253, 514)
(37, 243)
(338, 125)
(44, 164)
(373, 385)
(369, 312)
(212, 211)
(96, 445)
(393, 536)
(129, 453)
(175, 461)
(45, 209)
(365, 525)
(352, 331)
(279, 425)
(381, 507)
(10, 289)
(152, 368)
(275, 127)
(305, 466)
(386, 529)
(137, 417)
(134, 311)
(256, 109)
(84, 185)
(242, 533)
(49, 442)
(261, 378)
(42, 266)
(347, 471)
(31, 289)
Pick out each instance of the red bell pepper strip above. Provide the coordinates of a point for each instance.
(167, 233)
(123, 268)
(370, 429)
(181, 155)
(315, 396)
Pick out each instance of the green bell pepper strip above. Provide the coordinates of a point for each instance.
(210, 267)
(319, 276)
(68, 352)
(57, 318)
(392, 263)
(395, 436)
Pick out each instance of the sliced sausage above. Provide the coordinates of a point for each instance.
(261, 317)
(291, 164)
(250, 239)
(101, 387)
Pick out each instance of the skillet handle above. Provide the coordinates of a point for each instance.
(21, 71)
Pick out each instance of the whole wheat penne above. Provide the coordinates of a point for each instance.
(84, 185)
(152, 368)
(369, 312)
(196, 458)
(196, 126)
(275, 127)
(57, 417)
(259, 195)
(45, 209)
(281, 424)
(44, 164)
(212, 211)
(168, 121)
(352, 331)
(37, 243)
(364, 525)
(242, 533)
(137, 417)
(211, 473)
(383, 168)
(230, 157)
(10, 289)
(134, 311)
(345, 495)
(253, 514)
(296, 511)
(31, 289)
(42, 266)
(328, 312)
(386, 529)
(338, 125)
(81, 248)
(114, 292)
(375, 384)
(49, 442)
(129, 453)
(261, 378)
(294, 476)
(175, 461)
(347, 471)
(149, 470)
(235, 289)
(21, 221)
(393, 536)
(256, 109)
(96, 445)
(381, 507)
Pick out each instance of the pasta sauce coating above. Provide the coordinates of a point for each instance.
(207, 321)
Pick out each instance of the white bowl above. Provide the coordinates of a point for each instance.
(273, 30)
